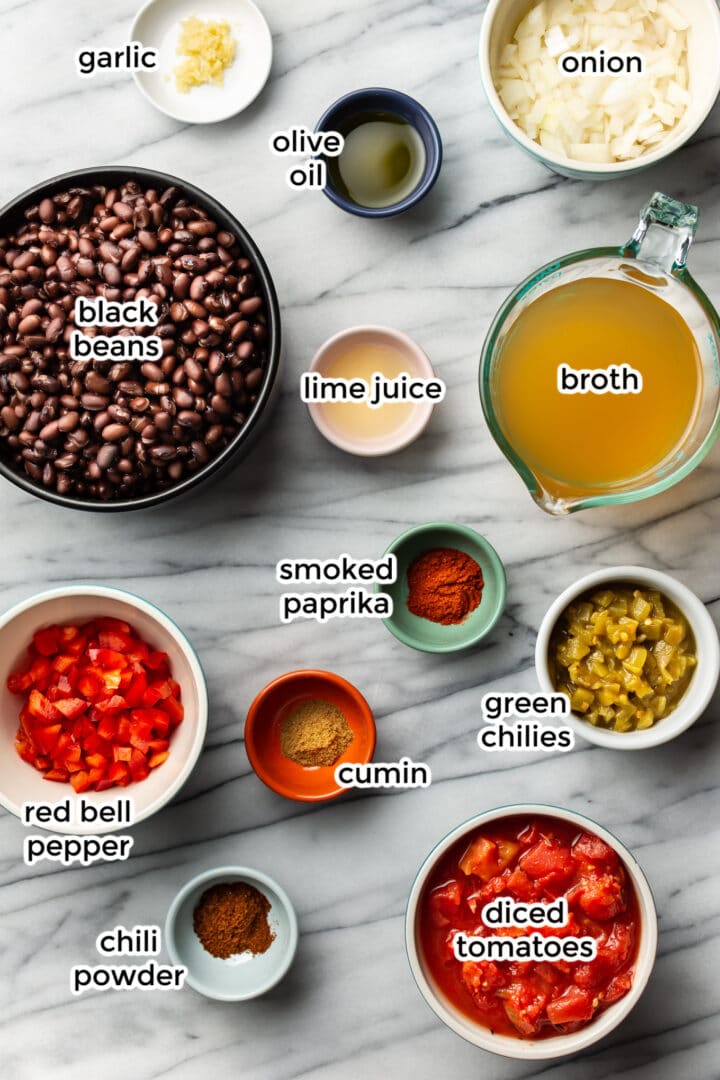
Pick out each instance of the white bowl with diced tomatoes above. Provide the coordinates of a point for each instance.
(532, 854)
(101, 697)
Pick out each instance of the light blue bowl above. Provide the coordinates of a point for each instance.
(239, 978)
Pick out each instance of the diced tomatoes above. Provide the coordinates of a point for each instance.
(99, 705)
(618, 988)
(594, 851)
(445, 903)
(601, 896)
(572, 1007)
(529, 861)
(525, 1000)
(481, 859)
(548, 862)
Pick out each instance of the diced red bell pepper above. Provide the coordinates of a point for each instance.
(58, 775)
(156, 660)
(135, 692)
(19, 683)
(174, 709)
(108, 659)
(63, 663)
(118, 773)
(41, 709)
(71, 708)
(90, 685)
(80, 781)
(117, 640)
(64, 686)
(47, 641)
(108, 728)
(92, 714)
(112, 704)
(112, 626)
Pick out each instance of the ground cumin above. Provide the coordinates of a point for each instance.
(232, 918)
(445, 585)
(315, 733)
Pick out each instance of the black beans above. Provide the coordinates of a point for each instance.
(105, 430)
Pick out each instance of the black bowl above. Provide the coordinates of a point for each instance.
(11, 216)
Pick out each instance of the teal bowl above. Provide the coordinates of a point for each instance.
(427, 636)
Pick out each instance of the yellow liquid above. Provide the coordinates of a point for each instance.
(356, 418)
(586, 442)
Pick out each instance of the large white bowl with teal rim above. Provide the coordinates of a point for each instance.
(499, 24)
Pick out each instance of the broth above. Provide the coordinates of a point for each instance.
(579, 443)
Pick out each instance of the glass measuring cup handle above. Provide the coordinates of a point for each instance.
(664, 233)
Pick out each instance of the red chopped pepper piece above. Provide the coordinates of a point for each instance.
(71, 708)
(47, 641)
(59, 775)
(98, 705)
(42, 709)
(80, 781)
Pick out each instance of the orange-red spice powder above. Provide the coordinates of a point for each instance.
(445, 586)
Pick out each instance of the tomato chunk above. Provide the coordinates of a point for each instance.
(574, 1005)
(445, 902)
(481, 859)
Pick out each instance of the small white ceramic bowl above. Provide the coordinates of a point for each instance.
(239, 978)
(499, 23)
(19, 781)
(558, 1045)
(702, 684)
(157, 25)
(417, 365)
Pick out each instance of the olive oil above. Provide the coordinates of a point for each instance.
(579, 443)
(382, 162)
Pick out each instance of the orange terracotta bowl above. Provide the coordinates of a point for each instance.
(264, 722)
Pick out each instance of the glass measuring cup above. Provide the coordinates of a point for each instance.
(655, 260)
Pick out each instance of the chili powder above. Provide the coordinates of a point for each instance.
(445, 586)
(231, 918)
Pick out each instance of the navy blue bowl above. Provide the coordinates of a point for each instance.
(339, 117)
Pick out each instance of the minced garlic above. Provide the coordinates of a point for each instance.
(209, 48)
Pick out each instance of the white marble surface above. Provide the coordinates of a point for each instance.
(349, 1009)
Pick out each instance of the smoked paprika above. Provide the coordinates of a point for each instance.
(445, 586)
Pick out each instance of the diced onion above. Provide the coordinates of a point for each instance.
(597, 118)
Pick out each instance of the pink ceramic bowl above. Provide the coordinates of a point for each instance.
(417, 364)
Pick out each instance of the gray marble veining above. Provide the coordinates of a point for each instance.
(349, 1009)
